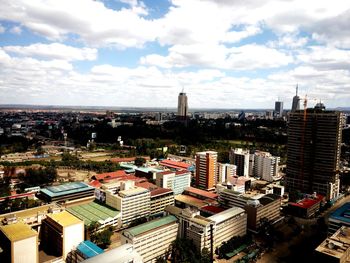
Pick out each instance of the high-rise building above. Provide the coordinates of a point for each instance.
(182, 106)
(206, 165)
(296, 101)
(314, 141)
(265, 165)
(240, 158)
(279, 109)
(225, 172)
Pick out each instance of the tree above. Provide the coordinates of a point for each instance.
(139, 161)
(102, 238)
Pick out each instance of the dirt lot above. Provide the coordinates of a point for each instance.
(75, 175)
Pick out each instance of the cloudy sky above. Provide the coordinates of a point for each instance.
(224, 53)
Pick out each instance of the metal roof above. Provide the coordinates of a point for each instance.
(93, 212)
(340, 213)
(18, 231)
(152, 225)
(64, 189)
(89, 249)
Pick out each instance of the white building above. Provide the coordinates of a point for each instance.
(152, 239)
(240, 158)
(177, 181)
(265, 166)
(225, 172)
(133, 202)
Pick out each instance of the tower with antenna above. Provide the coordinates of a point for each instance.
(182, 106)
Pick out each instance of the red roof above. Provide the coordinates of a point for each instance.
(166, 172)
(181, 172)
(175, 164)
(213, 209)
(147, 185)
(112, 175)
(95, 183)
(160, 191)
(17, 196)
(200, 192)
(130, 177)
(127, 159)
(155, 190)
(308, 202)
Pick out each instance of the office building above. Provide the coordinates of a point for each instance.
(278, 109)
(336, 248)
(160, 197)
(152, 239)
(66, 192)
(18, 244)
(182, 106)
(296, 101)
(225, 172)
(133, 202)
(240, 158)
(314, 141)
(306, 207)
(176, 181)
(223, 225)
(206, 165)
(61, 233)
(265, 166)
(122, 254)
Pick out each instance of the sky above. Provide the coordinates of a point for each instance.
(130, 53)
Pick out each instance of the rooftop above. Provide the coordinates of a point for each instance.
(154, 189)
(64, 218)
(196, 191)
(134, 191)
(93, 212)
(152, 225)
(18, 231)
(224, 215)
(65, 189)
(342, 213)
(308, 202)
(175, 164)
(89, 249)
(193, 201)
(337, 245)
(212, 209)
(111, 175)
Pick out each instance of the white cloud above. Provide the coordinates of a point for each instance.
(2, 29)
(17, 30)
(54, 51)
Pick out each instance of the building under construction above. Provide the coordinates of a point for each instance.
(314, 141)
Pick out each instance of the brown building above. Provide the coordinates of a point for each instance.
(206, 165)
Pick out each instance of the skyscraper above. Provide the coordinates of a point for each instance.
(278, 109)
(206, 165)
(182, 106)
(240, 158)
(296, 101)
(314, 141)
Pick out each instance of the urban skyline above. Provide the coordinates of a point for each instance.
(226, 54)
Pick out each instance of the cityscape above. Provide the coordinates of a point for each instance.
(174, 131)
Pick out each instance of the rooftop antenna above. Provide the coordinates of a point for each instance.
(296, 93)
(183, 88)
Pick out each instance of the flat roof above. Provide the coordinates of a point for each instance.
(307, 202)
(200, 192)
(148, 169)
(175, 164)
(152, 225)
(212, 209)
(64, 189)
(224, 215)
(93, 212)
(134, 191)
(65, 218)
(190, 200)
(123, 253)
(18, 231)
(89, 249)
(342, 213)
(337, 245)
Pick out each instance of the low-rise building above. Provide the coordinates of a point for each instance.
(61, 233)
(339, 218)
(336, 248)
(18, 243)
(123, 254)
(66, 192)
(85, 250)
(152, 239)
(306, 207)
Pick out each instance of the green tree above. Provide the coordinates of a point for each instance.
(139, 161)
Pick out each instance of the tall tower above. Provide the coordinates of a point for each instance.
(314, 141)
(296, 101)
(182, 106)
(278, 109)
(206, 165)
(240, 158)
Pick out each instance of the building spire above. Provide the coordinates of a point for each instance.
(296, 92)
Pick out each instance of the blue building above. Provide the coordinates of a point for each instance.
(65, 192)
(340, 217)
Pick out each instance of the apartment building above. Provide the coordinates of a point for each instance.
(152, 239)
(176, 181)
(206, 165)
